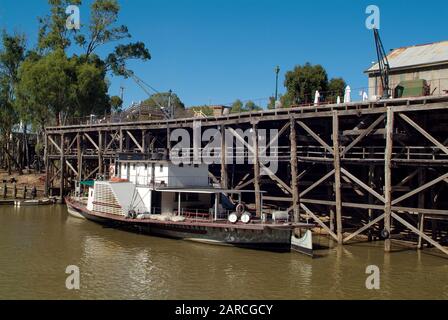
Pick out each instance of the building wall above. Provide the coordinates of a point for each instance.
(188, 176)
(437, 79)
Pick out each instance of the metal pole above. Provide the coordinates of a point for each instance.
(216, 206)
(178, 204)
(171, 109)
(277, 70)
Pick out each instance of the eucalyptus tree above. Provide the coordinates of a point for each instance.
(12, 54)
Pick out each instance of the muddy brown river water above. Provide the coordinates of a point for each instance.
(38, 243)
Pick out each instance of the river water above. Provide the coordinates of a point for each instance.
(38, 243)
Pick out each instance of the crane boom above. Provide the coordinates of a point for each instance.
(383, 64)
(167, 111)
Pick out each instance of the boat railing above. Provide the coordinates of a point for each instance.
(195, 214)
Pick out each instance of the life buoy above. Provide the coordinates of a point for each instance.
(240, 208)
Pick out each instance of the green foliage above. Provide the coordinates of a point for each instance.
(302, 82)
(11, 56)
(162, 99)
(271, 103)
(53, 33)
(103, 29)
(56, 86)
(237, 107)
(251, 106)
(116, 104)
(336, 87)
(116, 61)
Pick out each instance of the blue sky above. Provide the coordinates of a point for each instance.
(215, 51)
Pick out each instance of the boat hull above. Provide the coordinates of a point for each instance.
(268, 239)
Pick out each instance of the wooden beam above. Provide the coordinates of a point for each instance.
(100, 152)
(212, 176)
(261, 165)
(317, 183)
(243, 179)
(279, 199)
(71, 167)
(135, 141)
(388, 176)
(47, 167)
(421, 188)
(55, 174)
(319, 222)
(364, 228)
(114, 138)
(337, 176)
(421, 204)
(275, 138)
(121, 141)
(71, 144)
(363, 135)
(79, 156)
(91, 141)
(363, 185)
(434, 212)
(407, 178)
(224, 176)
(256, 171)
(316, 137)
(92, 173)
(54, 143)
(245, 184)
(424, 133)
(62, 160)
(294, 171)
(353, 185)
(416, 231)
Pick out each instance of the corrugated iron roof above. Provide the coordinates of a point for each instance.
(416, 55)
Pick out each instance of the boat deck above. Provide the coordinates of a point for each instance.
(254, 225)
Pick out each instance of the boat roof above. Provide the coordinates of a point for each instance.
(205, 190)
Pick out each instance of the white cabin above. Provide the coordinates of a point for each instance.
(163, 173)
(136, 184)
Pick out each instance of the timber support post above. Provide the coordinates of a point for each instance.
(224, 176)
(258, 208)
(388, 178)
(294, 171)
(47, 167)
(62, 171)
(337, 176)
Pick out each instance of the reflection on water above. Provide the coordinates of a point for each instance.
(37, 244)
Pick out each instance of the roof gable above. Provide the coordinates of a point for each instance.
(432, 53)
